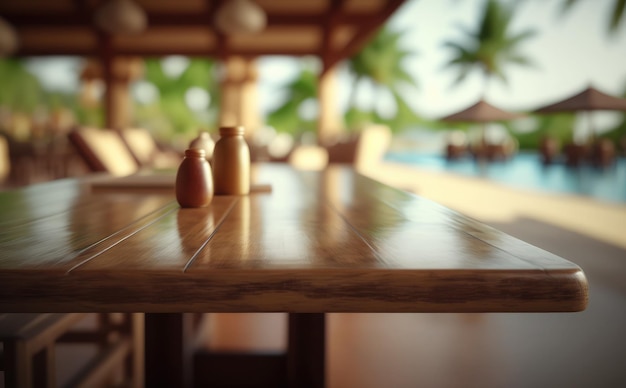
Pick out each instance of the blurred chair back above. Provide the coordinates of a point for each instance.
(146, 151)
(141, 144)
(364, 150)
(5, 161)
(343, 151)
(103, 150)
(309, 157)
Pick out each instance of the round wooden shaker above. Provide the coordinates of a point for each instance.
(231, 162)
(194, 182)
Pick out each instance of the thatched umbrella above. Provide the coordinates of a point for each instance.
(481, 112)
(590, 99)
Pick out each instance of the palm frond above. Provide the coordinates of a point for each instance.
(405, 116)
(492, 46)
(618, 15)
(521, 60)
(522, 36)
(568, 4)
(380, 61)
(462, 75)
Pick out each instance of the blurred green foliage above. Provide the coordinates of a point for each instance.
(169, 115)
(302, 89)
(21, 91)
(381, 63)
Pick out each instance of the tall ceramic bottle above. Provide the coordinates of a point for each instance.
(194, 181)
(231, 162)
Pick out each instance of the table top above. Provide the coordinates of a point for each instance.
(329, 241)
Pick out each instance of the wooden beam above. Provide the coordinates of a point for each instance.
(83, 18)
(222, 51)
(329, 29)
(366, 30)
(330, 20)
(251, 52)
(328, 113)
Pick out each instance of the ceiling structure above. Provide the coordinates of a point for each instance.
(330, 29)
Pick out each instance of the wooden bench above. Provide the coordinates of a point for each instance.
(29, 340)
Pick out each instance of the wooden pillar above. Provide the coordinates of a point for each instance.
(250, 113)
(239, 93)
(117, 73)
(121, 107)
(330, 123)
(106, 62)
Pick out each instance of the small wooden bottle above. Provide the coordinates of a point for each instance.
(231, 163)
(194, 182)
(204, 141)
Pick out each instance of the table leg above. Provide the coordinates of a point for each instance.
(168, 350)
(306, 350)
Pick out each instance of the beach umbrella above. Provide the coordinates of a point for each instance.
(481, 112)
(587, 100)
(590, 99)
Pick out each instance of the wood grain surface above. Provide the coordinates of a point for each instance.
(330, 241)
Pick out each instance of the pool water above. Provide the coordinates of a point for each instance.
(526, 170)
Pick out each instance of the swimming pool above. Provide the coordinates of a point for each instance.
(526, 170)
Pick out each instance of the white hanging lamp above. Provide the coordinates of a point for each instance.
(240, 17)
(8, 38)
(121, 17)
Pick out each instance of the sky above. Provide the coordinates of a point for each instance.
(569, 52)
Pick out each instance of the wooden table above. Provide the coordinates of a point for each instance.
(319, 242)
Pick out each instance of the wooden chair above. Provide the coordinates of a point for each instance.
(29, 341)
(575, 154)
(602, 153)
(549, 149)
(146, 151)
(363, 150)
(309, 157)
(103, 150)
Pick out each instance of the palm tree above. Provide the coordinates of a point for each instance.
(491, 47)
(380, 62)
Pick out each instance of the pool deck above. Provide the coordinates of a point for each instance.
(492, 202)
